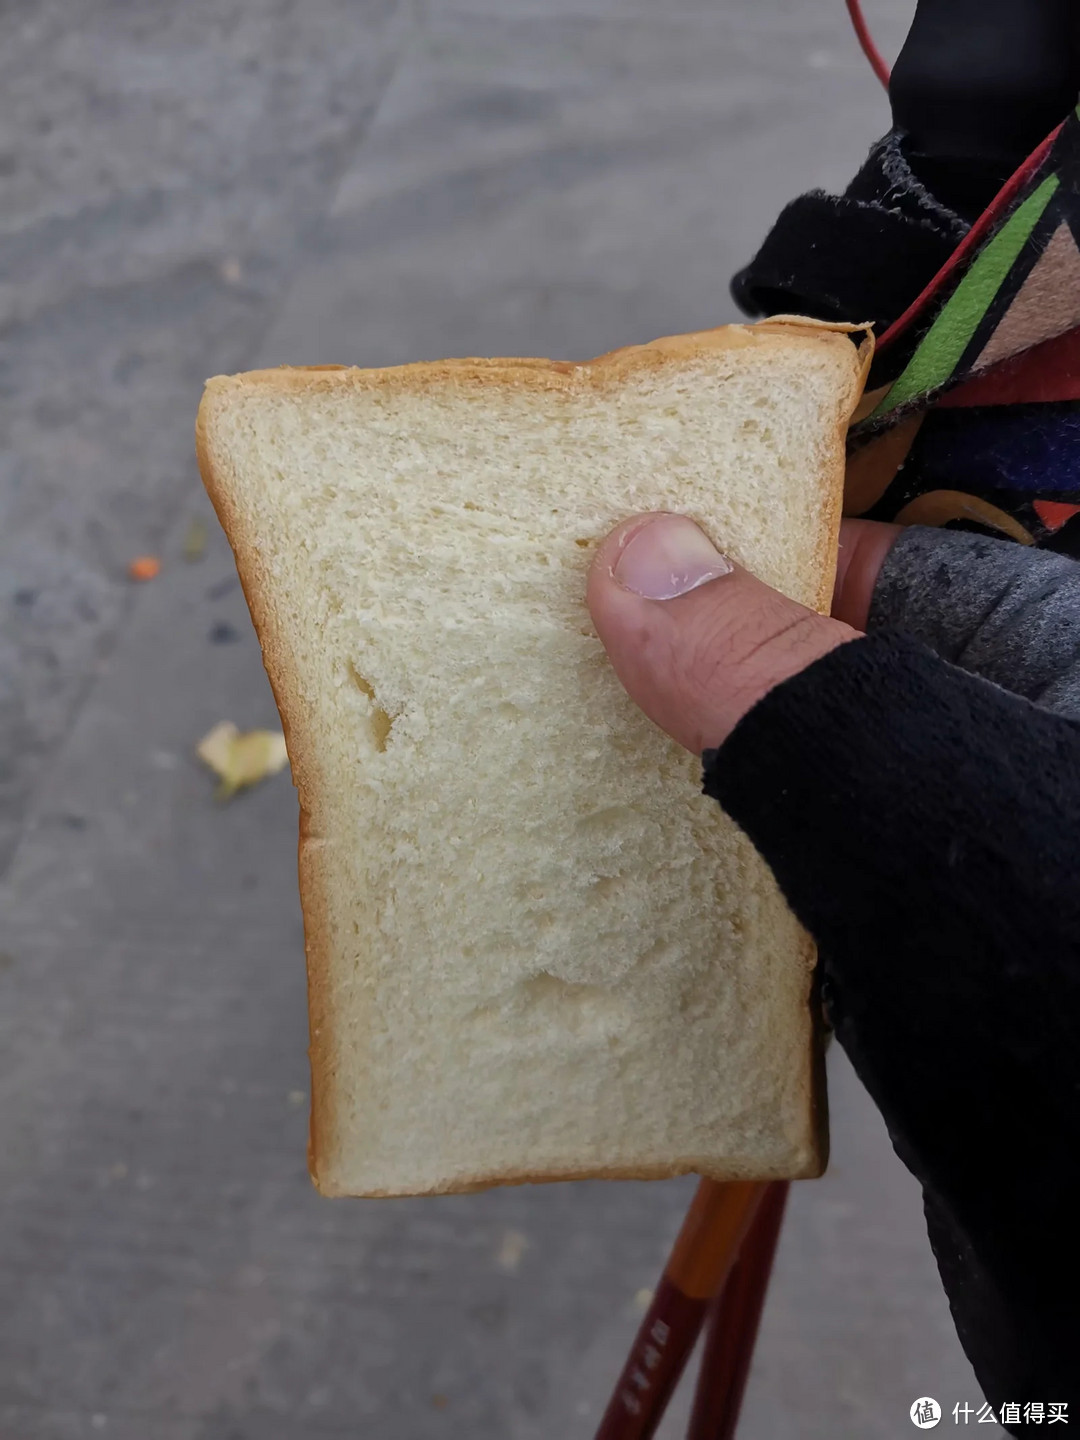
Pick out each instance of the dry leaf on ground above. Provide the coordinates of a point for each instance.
(195, 539)
(241, 758)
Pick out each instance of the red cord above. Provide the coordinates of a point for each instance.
(866, 40)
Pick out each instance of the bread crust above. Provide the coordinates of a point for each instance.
(608, 371)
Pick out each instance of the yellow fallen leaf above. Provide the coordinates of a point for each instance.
(240, 759)
(195, 539)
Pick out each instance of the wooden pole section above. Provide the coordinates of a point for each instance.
(734, 1317)
(706, 1249)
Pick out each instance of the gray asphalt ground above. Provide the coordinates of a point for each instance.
(217, 184)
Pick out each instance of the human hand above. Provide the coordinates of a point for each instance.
(696, 640)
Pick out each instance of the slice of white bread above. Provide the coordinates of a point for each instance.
(535, 950)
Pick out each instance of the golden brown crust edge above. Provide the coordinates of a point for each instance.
(539, 373)
(304, 768)
(813, 1168)
(613, 367)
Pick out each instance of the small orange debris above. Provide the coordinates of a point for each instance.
(144, 567)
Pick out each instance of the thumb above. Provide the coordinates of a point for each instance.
(695, 639)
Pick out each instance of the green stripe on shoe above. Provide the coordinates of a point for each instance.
(948, 337)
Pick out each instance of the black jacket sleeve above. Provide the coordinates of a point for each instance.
(924, 825)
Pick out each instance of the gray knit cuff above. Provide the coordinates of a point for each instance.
(1004, 611)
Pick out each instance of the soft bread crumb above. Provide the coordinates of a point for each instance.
(535, 950)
